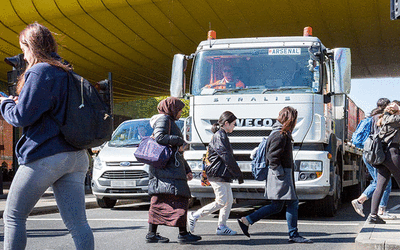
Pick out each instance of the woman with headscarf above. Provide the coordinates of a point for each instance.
(168, 186)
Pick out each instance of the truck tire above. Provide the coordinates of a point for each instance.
(330, 204)
(106, 202)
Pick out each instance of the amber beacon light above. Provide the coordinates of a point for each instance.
(307, 31)
(211, 35)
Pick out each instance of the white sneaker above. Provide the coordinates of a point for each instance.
(192, 222)
(358, 207)
(387, 216)
(224, 230)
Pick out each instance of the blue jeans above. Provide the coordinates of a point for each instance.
(275, 207)
(65, 172)
(372, 186)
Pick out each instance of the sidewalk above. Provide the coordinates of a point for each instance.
(380, 237)
(371, 237)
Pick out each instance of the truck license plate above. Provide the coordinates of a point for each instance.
(123, 183)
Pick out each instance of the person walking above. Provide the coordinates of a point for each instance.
(387, 126)
(280, 187)
(368, 192)
(222, 169)
(168, 186)
(45, 158)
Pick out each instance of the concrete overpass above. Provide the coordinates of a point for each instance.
(136, 39)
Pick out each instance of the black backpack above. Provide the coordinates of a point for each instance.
(88, 121)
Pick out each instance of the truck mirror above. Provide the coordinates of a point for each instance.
(177, 88)
(342, 69)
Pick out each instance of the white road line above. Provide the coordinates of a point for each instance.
(322, 223)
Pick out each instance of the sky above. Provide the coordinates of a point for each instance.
(366, 92)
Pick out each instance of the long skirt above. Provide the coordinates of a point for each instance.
(168, 210)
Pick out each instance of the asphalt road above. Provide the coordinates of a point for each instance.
(125, 227)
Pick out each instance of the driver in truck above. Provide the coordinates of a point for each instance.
(230, 80)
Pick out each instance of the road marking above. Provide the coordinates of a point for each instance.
(322, 223)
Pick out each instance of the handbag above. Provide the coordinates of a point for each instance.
(151, 152)
(373, 149)
(203, 176)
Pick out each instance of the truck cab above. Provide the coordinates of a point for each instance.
(255, 78)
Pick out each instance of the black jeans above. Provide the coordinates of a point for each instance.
(391, 166)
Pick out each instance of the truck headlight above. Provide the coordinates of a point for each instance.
(97, 164)
(311, 166)
(309, 170)
(195, 165)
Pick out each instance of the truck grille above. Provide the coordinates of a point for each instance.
(244, 146)
(249, 133)
(122, 174)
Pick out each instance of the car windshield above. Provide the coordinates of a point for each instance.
(256, 70)
(130, 133)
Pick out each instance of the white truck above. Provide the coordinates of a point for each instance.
(277, 72)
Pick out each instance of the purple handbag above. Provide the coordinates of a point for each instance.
(152, 153)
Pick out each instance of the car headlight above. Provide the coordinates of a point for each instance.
(195, 165)
(97, 164)
(311, 166)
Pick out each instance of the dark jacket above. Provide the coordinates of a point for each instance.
(280, 180)
(390, 132)
(223, 166)
(171, 179)
(44, 92)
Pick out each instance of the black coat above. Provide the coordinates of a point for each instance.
(223, 166)
(171, 179)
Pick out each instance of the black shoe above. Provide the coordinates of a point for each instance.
(156, 238)
(375, 220)
(188, 238)
(245, 229)
(299, 239)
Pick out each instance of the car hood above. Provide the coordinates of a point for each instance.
(117, 153)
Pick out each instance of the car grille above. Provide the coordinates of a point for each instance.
(125, 191)
(118, 164)
(125, 174)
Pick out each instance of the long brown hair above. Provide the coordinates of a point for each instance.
(287, 117)
(42, 45)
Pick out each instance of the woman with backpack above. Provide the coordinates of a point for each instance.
(222, 169)
(45, 158)
(388, 129)
(368, 192)
(280, 187)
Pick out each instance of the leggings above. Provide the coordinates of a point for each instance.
(65, 172)
(391, 166)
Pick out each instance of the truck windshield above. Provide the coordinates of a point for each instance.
(256, 70)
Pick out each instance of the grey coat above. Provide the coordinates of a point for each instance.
(280, 180)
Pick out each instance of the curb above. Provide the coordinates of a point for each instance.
(364, 240)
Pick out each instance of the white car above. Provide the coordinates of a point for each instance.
(116, 172)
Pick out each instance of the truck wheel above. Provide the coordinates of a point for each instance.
(205, 201)
(329, 205)
(106, 202)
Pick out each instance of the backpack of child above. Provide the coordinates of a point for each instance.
(259, 166)
(88, 121)
(362, 132)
